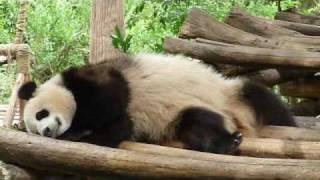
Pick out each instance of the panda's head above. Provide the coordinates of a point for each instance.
(49, 109)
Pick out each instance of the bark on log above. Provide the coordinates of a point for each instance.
(84, 159)
(304, 88)
(308, 122)
(289, 133)
(262, 27)
(298, 18)
(307, 29)
(243, 55)
(306, 108)
(252, 147)
(271, 77)
(105, 16)
(199, 24)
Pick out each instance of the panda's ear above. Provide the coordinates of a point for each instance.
(26, 90)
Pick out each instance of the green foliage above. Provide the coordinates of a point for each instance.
(121, 42)
(8, 16)
(58, 35)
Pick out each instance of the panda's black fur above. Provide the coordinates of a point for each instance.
(124, 99)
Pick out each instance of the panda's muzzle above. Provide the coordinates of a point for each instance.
(47, 132)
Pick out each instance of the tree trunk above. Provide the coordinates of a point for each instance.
(304, 88)
(85, 159)
(105, 16)
(243, 55)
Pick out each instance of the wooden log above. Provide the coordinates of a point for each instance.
(13, 101)
(200, 24)
(252, 147)
(289, 133)
(105, 17)
(304, 88)
(306, 108)
(242, 20)
(308, 122)
(12, 172)
(298, 18)
(271, 77)
(307, 29)
(85, 159)
(241, 55)
(227, 69)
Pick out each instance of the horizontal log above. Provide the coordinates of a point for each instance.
(244, 55)
(252, 147)
(271, 77)
(308, 122)
(200, 24)
(240, 19)
(85, 159)
(306, 108)
(304, 88)
(227, 69)
(298, 18)
(307, 29)
(12, 172)
(290, 133)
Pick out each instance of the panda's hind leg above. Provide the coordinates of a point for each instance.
(203, 130)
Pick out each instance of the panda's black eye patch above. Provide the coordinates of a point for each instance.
(42, 114)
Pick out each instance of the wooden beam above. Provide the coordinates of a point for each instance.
(308, 122)
(85, 159)
(244, 55)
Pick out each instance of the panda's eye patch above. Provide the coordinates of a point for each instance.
(42, 114)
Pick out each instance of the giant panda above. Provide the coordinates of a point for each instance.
(152, 98)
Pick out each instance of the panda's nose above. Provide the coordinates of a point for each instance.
(47, 132)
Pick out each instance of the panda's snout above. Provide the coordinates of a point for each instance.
(47, 132)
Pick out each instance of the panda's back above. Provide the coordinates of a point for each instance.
(161, 86)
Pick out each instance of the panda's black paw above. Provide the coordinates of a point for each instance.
(236, 140)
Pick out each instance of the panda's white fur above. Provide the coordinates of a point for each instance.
(60, 103)
(161, 87)
(162, 95)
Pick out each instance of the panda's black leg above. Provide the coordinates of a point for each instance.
(203, 130)
(111, 135)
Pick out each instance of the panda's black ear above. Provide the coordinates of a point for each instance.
(26, 90)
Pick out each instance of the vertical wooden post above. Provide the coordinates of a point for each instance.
(105, 16)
